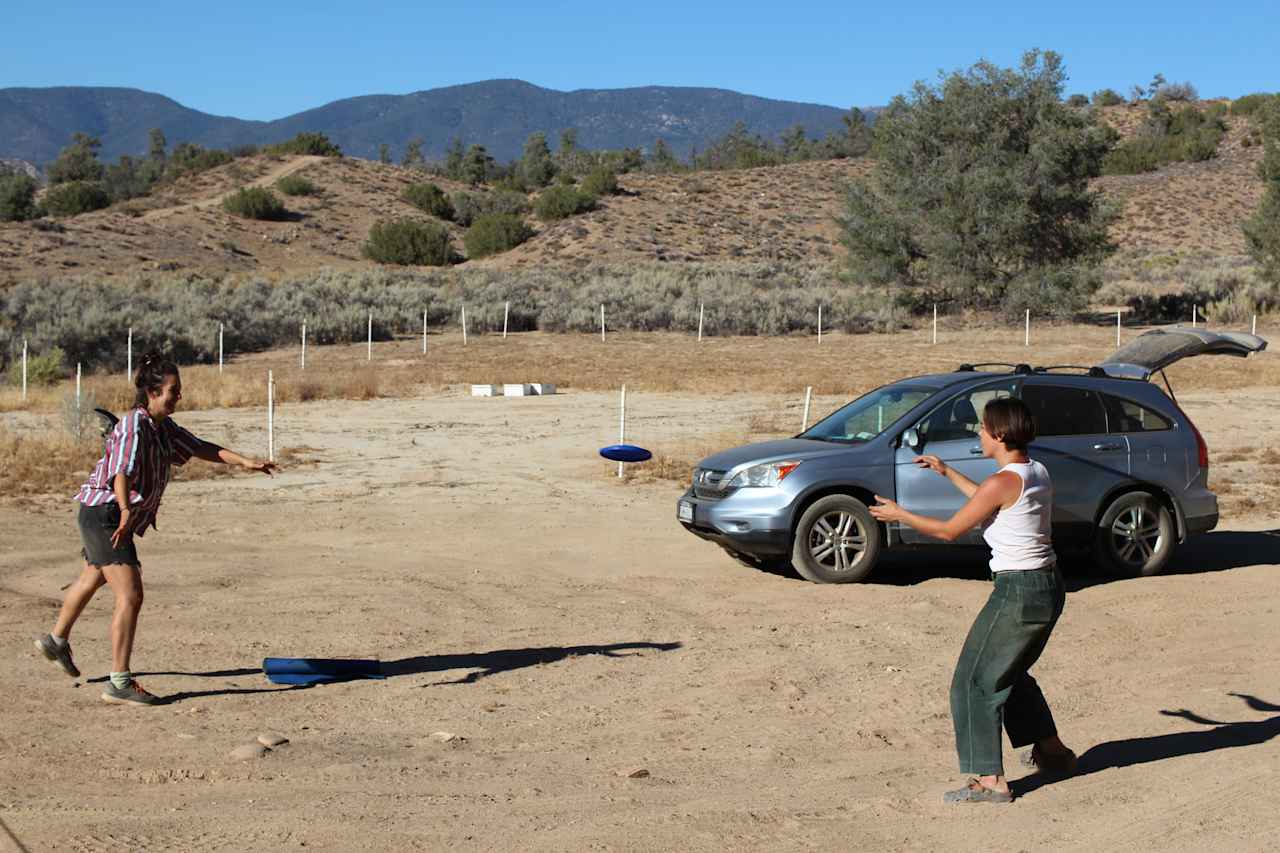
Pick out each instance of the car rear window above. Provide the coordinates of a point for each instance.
(1128, 416)
(1061, 410)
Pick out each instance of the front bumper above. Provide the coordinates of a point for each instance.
(755, 522)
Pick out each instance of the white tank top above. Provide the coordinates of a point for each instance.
(1020, 535)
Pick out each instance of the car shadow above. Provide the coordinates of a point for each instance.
(1216, 551)
(1144, 750)
(485, 664)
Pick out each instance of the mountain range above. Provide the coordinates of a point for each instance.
(36, 123)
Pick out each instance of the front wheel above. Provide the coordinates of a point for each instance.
(836, 541)
(1135, 536)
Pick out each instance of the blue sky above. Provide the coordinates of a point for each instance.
(264, 59)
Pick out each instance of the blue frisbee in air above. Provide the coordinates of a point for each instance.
(625, 453)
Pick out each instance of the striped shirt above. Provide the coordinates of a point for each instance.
(142, 449)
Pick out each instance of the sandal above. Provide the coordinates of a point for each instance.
(1058, 765)
(976, 792)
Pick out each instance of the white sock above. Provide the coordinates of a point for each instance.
(120, 680)
(60, 642)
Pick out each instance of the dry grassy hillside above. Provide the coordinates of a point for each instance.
(765, 214)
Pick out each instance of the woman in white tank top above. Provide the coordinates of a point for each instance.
(992, 683)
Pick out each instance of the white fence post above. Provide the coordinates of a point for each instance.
(935, 323)
(304, 345)
(819, 323)
(369, 357)
(622, 425)
(506, 310)
(129, 369)
(804, 419)
(701, 313)
(24, 368)
(424, 332)
(1255, 325)
(220, 329)
(1117, 328)
(271, 417)
(1026, 342)
(78, 416)
(464, 325)
(602, 332)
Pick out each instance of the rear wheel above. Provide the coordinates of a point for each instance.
(836, 541)
(1135, 536)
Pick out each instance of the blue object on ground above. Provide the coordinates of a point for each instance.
(319, 670)
(625, 453)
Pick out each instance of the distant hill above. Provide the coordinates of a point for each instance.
(35, 124)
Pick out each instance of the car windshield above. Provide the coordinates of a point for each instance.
(870, 414)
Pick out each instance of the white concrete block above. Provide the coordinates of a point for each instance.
(543, 388)
(482, 391)
(518, 389)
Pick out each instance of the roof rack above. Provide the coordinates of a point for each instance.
(1016, 368)
(1089, 371)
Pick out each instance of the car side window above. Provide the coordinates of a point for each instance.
(1128, 416)
(1062, 410)
(959, 417)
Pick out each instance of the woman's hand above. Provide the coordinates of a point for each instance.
(933, 463)
(885, 510)
(259, 465)
(122, 530)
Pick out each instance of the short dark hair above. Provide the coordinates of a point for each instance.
(1010, 421)
(150, 376)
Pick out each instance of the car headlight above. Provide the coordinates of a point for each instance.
(764, 475)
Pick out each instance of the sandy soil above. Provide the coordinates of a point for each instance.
(565, 627)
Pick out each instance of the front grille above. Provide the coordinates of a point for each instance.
(706, 483)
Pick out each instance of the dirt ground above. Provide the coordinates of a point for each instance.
(571, 634)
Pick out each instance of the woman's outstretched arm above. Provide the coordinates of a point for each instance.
(210, 452)
(995, 492)
(966, 486)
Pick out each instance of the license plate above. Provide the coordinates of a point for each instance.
(684, 511)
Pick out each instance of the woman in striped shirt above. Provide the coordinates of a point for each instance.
(119, 501)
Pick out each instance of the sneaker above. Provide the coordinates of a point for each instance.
(61, 654)
(131, 694)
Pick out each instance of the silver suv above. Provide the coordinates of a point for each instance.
(1130, 471)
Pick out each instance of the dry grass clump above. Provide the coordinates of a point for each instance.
(47, 462)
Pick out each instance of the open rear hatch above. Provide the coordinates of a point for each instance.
(1153, 351)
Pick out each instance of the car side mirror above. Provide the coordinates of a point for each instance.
(911, 438)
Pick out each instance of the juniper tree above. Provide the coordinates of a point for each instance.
(981, 192)
(536, 167)
(1262, 230)
(78, 161)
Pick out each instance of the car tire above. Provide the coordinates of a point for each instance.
(836, 541)
(1136, 536)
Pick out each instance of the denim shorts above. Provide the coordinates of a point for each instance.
(97, 523)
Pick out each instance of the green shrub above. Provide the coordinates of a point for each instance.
(255, 203)
(78, 161)
(1107, 98)
(45, 369)
(1187, 135)
(17, 197)
(306, 143)
(1078, 100)
(600, 182)
(430, 199)
(409, 242)
(76, 197)
(296, 185)
(189, 159)
(470, 206)
(1250, 104)
(494, 233)
(560, 202)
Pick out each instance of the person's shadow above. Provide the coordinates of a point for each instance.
(485, 664)
(1143, 750)
(482, 664)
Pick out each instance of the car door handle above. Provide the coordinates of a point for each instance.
(976, 451)
(1108, 446)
